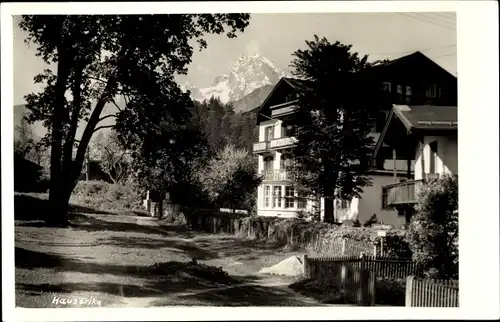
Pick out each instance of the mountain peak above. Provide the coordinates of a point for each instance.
(248, 73)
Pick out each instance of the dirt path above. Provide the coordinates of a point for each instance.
(107, 257)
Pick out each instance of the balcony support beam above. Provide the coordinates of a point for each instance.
(395, 172)
(408, 165)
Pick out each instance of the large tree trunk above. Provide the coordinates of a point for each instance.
(58, 214)
(329, 210)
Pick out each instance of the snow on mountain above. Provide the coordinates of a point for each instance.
(246, 75)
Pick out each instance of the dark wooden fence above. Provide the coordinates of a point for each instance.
(422, 292)
(347, 272)
(388, 267)
(385, 267)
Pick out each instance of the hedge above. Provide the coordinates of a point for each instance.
(315, 236)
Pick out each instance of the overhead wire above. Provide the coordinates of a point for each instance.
(428, 20)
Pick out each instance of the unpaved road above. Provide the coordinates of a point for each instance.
(103, 257)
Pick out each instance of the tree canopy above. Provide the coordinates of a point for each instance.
(101, 57)
(335, 115)
(433, 231)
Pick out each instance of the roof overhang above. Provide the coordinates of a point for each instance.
(420, 128)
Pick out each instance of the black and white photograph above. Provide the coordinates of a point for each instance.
(239, 159)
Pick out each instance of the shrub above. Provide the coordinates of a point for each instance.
(433, 231)
(192, 270)
(371, 221)
(108, 197)
(317, 236)
(390, 291)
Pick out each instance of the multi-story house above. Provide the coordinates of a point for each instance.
(428, 136)
(412, 79)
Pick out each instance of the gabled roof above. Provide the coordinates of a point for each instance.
(421, 118)
(427, 117)
(295, 83)
(410, 59)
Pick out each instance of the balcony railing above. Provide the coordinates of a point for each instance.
(274, 144)
(260, 146)
(282, 142)
(276, 175)
(401, 193)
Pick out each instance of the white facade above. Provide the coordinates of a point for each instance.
(440, 156)
(276, 195)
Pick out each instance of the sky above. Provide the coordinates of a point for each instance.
(277, 36)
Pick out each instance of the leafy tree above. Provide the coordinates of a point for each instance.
(113, 159)
(28, 146)
(230, 177)
(433, 230)
(222, 126)
(334, 118)
(98, 58)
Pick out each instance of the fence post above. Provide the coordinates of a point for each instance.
(375, 251)
(409, 291)
(343, 246)
(304, 262)
(362, 278)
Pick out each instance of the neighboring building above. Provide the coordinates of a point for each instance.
(412, 79)
(428, 136)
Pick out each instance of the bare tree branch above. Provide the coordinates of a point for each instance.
(103, 127)
(107, 116)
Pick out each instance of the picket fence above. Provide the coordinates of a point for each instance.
(384, 267)
(357, 283)
(422, 292)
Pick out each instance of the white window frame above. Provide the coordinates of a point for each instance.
(345, 204)
(408, 90)
(267, 196)
(387, 87)
(289, 198)
(431, 91)
(277, 197)
(399, 89)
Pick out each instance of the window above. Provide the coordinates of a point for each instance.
(440, 93)
(277, 197)
(301, 203)
(386, 87)
(287, 130)
(267, 196)
(433, 159)
(400, 89)
(268, 163)
(431, 91)
(345, 204)
(289, 98)
(286, 161)
(408, 90)
(289, 197)
(269, 133)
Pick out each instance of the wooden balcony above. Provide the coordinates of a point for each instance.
(259, 147)
(276, 175)
(403, 193)
(284, 109)
(274, 144)
(282, 143)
